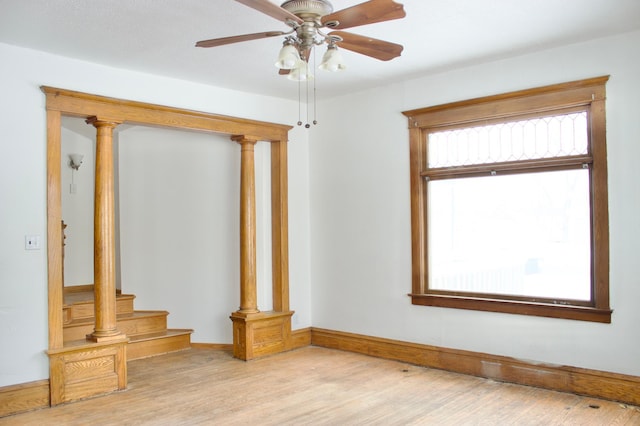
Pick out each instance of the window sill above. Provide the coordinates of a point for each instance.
(580, 313)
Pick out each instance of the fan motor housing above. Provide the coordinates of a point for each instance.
(308, 8)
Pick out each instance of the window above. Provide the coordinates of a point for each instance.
(509, 203)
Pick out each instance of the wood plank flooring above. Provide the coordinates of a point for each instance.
(319, 386)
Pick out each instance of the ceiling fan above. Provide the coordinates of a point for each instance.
(308, 20)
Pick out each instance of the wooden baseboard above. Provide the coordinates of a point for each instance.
(16, 399)
(300, 338)
(593, 383)
(213, 346)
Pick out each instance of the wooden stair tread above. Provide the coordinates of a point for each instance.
(87, 297)
(146, 330)
(159, 334)
(120, 317)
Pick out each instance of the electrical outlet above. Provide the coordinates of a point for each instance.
(32, 242)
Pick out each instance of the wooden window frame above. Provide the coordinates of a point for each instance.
(589, 94)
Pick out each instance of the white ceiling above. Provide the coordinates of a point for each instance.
(158, 36)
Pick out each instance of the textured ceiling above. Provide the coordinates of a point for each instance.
(158, 36)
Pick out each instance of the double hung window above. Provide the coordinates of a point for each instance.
(509, 203)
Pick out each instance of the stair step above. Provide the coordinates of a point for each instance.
(147, 330)
(79, 305)
(131, 324)
(158, 343)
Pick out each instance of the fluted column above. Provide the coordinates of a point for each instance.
(248, 285)
(104, 269)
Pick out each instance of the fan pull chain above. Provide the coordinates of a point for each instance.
(299, 106)
(306, 126)
(314, 89)
(307, 99)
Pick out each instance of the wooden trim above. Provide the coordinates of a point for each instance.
(599, 201)
(593, 383)
(418, 203)
(259, 334)
(16, 399)
(54, 231)
(510, 167)
(84, 105)
(301, 338)
(510, 306)
(83, 369)
(586, 95)
(279, 226)
(536, 100)
(227, 347)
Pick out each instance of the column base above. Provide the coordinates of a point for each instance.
(99, 338)
(82, 369)
(259, 334)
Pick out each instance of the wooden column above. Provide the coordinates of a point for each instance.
(104, 235)
(279, 225)
(256, 333)
(248, 280)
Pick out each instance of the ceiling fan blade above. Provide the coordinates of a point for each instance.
(368, 12)
(378, 49)
(268, 8)
(236, 39)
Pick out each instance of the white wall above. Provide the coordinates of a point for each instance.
(23, 274)
(77, 208)
(360, 215)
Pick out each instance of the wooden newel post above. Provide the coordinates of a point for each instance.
(104, 235)
(248, 280)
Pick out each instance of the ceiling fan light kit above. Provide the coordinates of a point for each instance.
(332, 60)
(308, 20)
(289, 56)
(300, 72)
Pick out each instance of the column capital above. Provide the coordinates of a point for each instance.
(245, 139)
(103, 122)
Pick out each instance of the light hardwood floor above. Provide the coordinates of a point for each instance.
(319, 386)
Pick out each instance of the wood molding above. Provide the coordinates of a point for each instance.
(82, 369)
(16, 399)
(581, 381)
(227, 347)
(586, 96)
(80, 104)
(279, 226)
(259, 334)
(300, 338)
(580, 92)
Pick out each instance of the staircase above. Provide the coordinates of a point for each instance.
(147, 330)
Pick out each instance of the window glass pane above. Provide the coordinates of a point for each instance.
(523, 235)
(541, 137)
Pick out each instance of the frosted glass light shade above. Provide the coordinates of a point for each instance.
(332, 60)
(288, 57)
(75, 160)
(300, 72)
